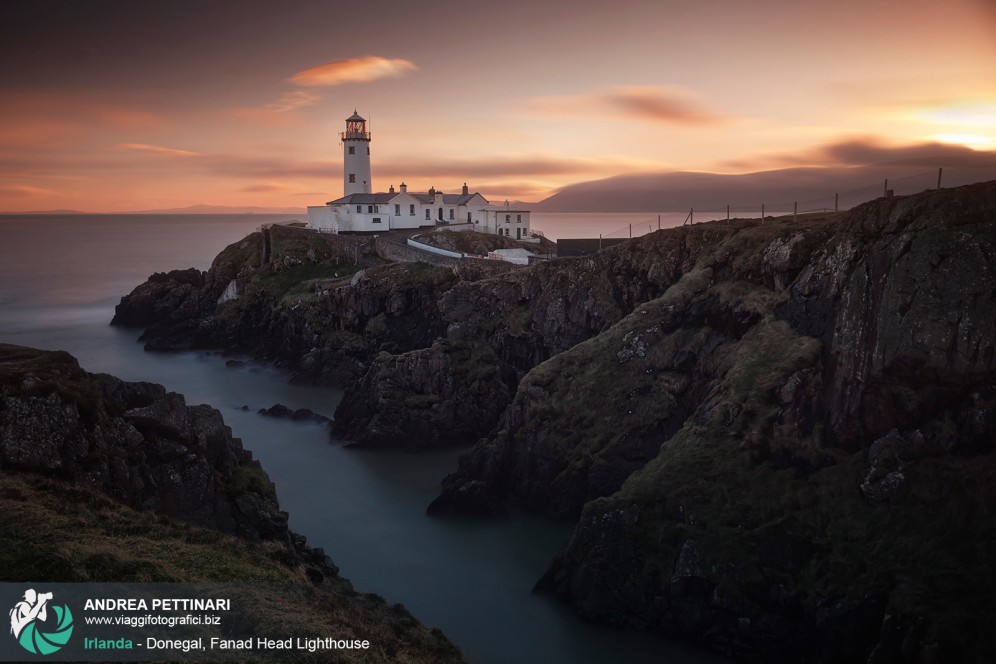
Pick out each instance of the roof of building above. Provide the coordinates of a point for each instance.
(355, 117)
(383, 198)
(364, 199)
(449, 199)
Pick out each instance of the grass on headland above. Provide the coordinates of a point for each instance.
(55, 532)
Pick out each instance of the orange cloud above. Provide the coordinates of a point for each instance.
(867, 151)
(291, 101)
(660, 105)
(156, 149)
(25, 190)
(263, 188)
(277, 113)
(505, 166)
(517, 190)
(650, 103)
(353, 70)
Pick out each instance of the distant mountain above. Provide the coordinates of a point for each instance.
(812, 188)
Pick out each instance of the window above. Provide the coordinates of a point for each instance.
(397, 209)
(352, 177)
(451, 213)
(518, 233)
(352, 149)
(376, 220)
(508, 218)
(411, 209)
(518, 218)
(359, 208)
(427, 214)
(370, 209)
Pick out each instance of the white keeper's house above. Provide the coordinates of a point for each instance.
(362, 211)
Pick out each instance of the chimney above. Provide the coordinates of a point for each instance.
(391, 190)
(465, 191)
(404, 188)
(432, 191)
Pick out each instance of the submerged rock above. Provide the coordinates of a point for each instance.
(299, 415)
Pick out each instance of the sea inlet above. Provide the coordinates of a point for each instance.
(62, 276)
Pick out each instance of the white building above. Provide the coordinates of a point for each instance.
(360, 211)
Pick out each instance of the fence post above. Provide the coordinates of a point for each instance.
(795, 211)
(599, 241)
(836, 200)
(691, 216)
(762, 211)
(631, 231)
(658, 222)
(939, 170)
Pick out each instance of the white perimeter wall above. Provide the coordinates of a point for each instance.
(321, 218)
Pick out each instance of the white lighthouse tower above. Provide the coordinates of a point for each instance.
(356, 157)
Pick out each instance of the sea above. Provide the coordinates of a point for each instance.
(60, 277)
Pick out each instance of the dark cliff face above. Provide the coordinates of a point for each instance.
(96, 475)
(134, 442)
(582, 421)
(777, 436)
(447, 394)
(323, 306)
(825, 499)
(786, 451)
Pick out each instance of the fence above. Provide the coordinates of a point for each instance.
(898, 182)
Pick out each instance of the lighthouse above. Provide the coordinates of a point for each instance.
(356, 156)
(362, 210)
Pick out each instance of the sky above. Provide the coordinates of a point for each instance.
(114, 106)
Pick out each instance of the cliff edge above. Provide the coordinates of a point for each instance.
(776, 436)
(105, 480)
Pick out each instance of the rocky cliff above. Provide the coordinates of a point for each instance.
(789, 453)
(321, 305)
(85, 458)
(776, 436)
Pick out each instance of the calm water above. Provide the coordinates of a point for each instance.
(60, 278)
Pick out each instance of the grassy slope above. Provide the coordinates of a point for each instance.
(53, 532)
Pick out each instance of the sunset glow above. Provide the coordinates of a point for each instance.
(117, 106)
